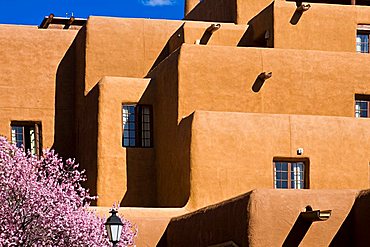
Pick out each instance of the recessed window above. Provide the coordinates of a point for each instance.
(362, 38)
(362, 105)
(362, 42)
(137, 125)
(290, 174)
(27, 135)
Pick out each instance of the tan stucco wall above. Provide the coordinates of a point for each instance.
(29, 79)
(211, 10)
(233, 152)
(303, 82)
(237, 11)
(246, 10)
(262, 218)
(171, 144)
(124, 175)
(124, 47)
(150, 222)
(191, 32)
(315, 30)
(271, 221)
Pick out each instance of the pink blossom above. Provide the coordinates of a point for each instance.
(43, 203)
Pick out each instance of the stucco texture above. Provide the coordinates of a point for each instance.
(29, 79)
(225, 155)
(251, 220)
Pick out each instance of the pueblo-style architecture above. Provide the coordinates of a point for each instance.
(245, 124)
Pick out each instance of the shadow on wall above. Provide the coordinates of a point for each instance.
(355, 229)
(174, 42)
(222, 223)
(76, 130)
(260, 80)
(297, 233)
(214, 10)
(141, 174)
(172, 148)
(89, 144)
(64, 131)
(140, 170)
(296, 17)
(141, 184)
(69, 97)
(260, 31)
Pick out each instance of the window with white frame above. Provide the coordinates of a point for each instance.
(27, 135)
(137, 125)
(362, 38)
(362, 106)
(290, 174)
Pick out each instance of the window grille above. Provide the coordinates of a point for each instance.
(27, 135)
(362, 106)
(137, 125)
(290, 175)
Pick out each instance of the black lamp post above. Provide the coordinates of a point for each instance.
(114, 227)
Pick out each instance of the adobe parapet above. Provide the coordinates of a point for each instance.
(281, 24)
(241, 11)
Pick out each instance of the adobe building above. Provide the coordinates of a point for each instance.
(245, 124)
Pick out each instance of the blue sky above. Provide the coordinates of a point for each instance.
(31, 12)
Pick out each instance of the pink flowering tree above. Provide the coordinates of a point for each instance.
(42, 203)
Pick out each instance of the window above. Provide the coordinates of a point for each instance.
(362, 105)
(27, 135)
(362, 42)
(137, 125)
(290, 175)
(362, 38)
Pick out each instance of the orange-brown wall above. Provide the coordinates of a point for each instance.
(211, 10)
(314, 30)
(33, 78)
(246, 10)
(195, 32)
(124, 47)
(266, 218)
(150, 222)
(236, 11)
(115, 47)
(233, 152)
(302, 82)
(171, 145)
(124, 174)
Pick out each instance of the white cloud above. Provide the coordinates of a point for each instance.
(158, 2)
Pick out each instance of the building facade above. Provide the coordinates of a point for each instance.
(181, 121)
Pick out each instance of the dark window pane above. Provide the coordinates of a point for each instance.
(362, 43)
(278, 166)
(284, 166)
(27, 136)
(136, 125)
(278, 184)
(293, 179)
(284, 184)
(362, 108)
